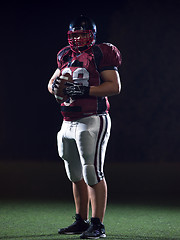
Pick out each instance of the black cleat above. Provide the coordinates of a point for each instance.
(78, 227)
(95, 231)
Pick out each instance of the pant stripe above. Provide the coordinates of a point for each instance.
(98, 158)
(102, 140)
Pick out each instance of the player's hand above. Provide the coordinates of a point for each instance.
(55, 85)
(76, 90)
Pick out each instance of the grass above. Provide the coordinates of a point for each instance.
(38, 220)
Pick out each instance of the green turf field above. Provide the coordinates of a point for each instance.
(38, 220)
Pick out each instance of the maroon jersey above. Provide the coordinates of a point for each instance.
(85, 69)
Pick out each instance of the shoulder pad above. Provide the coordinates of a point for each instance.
(62, 52)
(111, 57)
(105, 45)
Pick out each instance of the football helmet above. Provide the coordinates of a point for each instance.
(81, 34)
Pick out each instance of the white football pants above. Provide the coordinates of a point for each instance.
(82, 145)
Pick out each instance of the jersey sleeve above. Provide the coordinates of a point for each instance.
(111, 59)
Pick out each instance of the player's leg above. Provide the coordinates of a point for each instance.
(92, 143)
(98, 196)
(68, 152)
(81, 198)
(80, 190)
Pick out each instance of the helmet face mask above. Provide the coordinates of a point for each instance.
(81, 34)
(80, 39)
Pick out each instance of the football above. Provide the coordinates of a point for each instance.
(59, 91)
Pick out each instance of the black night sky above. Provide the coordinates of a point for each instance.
(145, 116)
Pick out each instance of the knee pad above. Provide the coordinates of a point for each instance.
(74, 174)
(91, 175)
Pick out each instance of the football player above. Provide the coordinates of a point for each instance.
(85, 130)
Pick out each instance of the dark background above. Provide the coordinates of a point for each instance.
(145, 116)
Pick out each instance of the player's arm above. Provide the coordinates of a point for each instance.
(54, 76)
(111, 84)
(108, 67)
